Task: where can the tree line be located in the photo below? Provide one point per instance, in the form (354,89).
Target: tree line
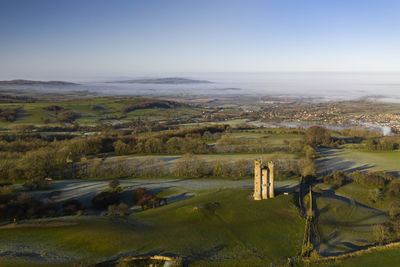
(26,156)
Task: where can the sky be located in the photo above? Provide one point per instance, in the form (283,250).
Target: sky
(57,39)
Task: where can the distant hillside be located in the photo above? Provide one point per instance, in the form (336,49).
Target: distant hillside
(163,81)
(29,82)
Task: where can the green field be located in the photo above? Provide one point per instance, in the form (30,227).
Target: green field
(361,193)
(209,157)
(277,139)
(214,228)
(351,160)
(388,257)
(344,225)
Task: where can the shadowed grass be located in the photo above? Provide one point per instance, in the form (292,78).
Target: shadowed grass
(215,226)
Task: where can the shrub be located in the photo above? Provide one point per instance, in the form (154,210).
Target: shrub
(316,136)
(67,115)
(394,210)
(72,206)
(375,195)
(122,208)
(25,206)
(104,199)
(113,184)
(337,178)
(7,193)
(381,233)
(371,179)
(394,188)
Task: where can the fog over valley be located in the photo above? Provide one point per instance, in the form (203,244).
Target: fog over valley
(322,85)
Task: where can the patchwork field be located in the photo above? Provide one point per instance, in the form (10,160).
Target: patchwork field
(91,111)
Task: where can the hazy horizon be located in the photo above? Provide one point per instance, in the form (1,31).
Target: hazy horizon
(324,85)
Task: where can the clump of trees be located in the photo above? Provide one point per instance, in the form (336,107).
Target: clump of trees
(67,115)
(22,206)
(72,207)
(62,114)
(103,199)
(189,166)
(337,178)
(375,195)
(26,155)
(194,166)
(318,136)
(53,108)
(389,230)
(8,114)
(377,179)
(110,199)
(145,199)
(394,188)
(114,185)
(118,209)
(382,144)
(151,103)
(359,132)
(306,162)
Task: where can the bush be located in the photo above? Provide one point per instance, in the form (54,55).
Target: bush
(7,193)
(394,188)
(383,233)
(119,209)
(37,184)
(371,179)
(72,206)
(317,136)
(122,208)
(104,199)
(337,178)
(307,166)
(375,195)
(394,210)
(113,184)
(25,206)
(67,115)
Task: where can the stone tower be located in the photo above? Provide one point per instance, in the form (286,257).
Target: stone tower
(271,179)
(263,180)
(257,180)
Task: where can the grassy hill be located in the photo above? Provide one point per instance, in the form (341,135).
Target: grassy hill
(214,228)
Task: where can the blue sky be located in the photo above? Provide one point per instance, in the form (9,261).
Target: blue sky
(57,39)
